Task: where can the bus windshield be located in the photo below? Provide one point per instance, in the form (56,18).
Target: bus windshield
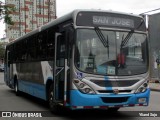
(111,52)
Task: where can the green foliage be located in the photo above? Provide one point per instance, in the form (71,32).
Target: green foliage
(5,11)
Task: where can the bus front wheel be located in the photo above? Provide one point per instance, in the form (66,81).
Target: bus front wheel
(52,105)
(113,109)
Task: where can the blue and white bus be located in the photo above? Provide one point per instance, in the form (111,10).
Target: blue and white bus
(88,59)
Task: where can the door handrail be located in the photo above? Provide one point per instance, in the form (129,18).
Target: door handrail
(59,71)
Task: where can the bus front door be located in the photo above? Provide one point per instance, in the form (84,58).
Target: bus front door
(60,68)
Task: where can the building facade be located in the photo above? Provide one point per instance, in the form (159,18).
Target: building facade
(29,15)
(154,39)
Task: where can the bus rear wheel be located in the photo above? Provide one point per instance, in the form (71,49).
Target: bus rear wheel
(16,88)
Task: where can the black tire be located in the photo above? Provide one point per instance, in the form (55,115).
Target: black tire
(55,108)
(16,88)
(113,109)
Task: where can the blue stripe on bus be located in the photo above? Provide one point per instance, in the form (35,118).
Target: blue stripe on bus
(33,89)
(106,79)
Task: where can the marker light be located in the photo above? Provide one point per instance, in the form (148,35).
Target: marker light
(142,100)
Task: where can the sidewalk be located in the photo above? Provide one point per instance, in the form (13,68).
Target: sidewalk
(2,78)
(154,86)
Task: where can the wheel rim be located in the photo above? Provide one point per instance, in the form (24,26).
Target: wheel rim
(51,104)
(16,89)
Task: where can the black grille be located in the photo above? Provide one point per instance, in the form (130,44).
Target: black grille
(111,91)
(120,83)
(114,99)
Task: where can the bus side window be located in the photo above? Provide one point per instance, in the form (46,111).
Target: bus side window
(41,46)
(9,55)
(50,43)
(33,47)
(44,44)
(9,59)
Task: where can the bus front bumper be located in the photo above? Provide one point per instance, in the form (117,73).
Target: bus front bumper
(79,100)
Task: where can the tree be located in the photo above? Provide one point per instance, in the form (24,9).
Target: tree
(5,11)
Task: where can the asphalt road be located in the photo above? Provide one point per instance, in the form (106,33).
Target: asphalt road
(26,103)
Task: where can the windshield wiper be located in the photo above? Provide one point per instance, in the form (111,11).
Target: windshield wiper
(126,39)
(128,36)
(104,41)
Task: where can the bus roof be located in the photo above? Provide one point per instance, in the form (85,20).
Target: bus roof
(69,16)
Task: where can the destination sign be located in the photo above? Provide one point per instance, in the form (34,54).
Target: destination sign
(113,21)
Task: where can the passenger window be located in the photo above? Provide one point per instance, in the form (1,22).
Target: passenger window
(50,43)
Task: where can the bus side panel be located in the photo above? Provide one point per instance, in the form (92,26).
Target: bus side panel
(33,89)
(32,77)
(47,70)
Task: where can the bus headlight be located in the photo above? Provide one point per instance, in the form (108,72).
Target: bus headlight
(142,88)
(83,87)
(87,90)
